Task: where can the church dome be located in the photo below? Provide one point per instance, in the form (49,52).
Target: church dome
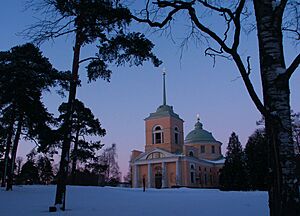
(199,135)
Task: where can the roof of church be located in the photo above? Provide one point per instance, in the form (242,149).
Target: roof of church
(163,111)
(199,135)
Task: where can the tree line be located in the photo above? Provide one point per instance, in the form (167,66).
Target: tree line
(106,24)
(102,23)
(247,168)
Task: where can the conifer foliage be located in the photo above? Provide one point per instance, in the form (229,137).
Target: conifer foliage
(24,74)
(233,174)
(44,165)
(104,22)
(84,124)
(256,152)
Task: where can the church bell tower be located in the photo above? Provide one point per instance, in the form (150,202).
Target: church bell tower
(164,128)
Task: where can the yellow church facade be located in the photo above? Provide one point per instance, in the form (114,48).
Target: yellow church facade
(172,160)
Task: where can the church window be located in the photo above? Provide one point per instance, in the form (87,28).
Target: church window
(191,154)
(155,155)
(176,134)
(205,178)
(211,180)
(202,149)
(158,135)
(192,177)
(213,149)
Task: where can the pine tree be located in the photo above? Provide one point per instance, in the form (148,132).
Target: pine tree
(24,74)
(29,172)
(45,170)
(90,21)
(84,124)
(256,152)
(233,174)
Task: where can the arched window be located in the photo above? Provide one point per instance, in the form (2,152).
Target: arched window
(176,135)
(191,153)
(155,155)
(157,135)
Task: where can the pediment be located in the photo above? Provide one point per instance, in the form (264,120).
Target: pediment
(146,155)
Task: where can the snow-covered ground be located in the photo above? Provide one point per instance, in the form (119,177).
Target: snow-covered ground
(90,201)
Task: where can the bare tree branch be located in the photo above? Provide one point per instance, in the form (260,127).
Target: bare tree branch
(291,69)
(233,16)
(87,59)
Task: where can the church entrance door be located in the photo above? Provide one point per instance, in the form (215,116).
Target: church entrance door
(158,180)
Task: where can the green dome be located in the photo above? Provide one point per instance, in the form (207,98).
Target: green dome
(163,111)
(198,135)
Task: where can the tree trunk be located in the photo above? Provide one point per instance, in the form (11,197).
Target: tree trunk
(74,160)
(64,161)
(7,150)
(13,155)
(283,191)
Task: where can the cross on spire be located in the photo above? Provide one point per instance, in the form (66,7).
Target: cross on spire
(198,118)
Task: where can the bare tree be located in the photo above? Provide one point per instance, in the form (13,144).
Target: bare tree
(109,159)
(275,107)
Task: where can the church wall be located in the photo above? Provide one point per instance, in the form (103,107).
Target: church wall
(135,154)
(205,175)
(171,174)
(177,123)
(184,173)
(165,123)
(143,173)
(208,150)
(168,124)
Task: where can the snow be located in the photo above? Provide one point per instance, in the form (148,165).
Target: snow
(89,201)
(220,161)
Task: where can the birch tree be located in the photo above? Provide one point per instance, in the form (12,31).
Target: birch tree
(273,19)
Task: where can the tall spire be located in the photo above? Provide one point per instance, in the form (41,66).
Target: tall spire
(164,87)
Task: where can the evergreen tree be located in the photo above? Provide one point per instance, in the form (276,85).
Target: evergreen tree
(29,172)
(45,170)
(233,174)
(84,124)
(256,152)
(24,74)
(101,21)
(273,21)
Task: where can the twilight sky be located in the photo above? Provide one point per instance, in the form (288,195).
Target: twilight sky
(193,85)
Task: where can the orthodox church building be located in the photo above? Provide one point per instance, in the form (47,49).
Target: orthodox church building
(169,159)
